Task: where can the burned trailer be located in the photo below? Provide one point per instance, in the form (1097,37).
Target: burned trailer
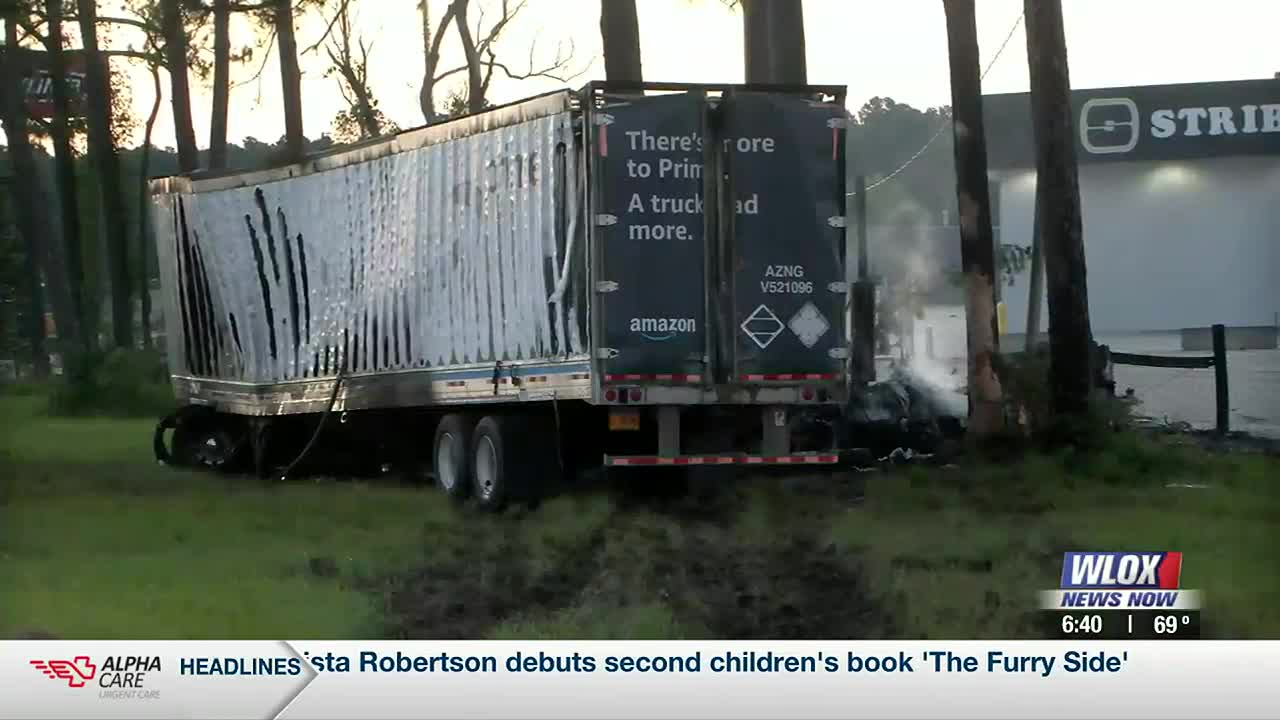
(622,275)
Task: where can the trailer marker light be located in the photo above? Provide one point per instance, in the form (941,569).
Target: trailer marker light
(611,395)
(636,395)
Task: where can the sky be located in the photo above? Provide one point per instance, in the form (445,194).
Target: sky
(895,48)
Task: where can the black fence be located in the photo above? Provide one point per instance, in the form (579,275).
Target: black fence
(1217,361)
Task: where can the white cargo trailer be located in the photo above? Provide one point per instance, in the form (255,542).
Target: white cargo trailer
(614,273)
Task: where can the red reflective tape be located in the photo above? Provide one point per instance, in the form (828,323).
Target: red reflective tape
(725,460)
(670,377)
(835,143)
(633,461)
(753,377)
(604,141)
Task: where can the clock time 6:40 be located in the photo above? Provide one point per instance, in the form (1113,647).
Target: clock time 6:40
(1082,624)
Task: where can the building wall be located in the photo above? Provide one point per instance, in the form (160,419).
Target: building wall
(1168,244)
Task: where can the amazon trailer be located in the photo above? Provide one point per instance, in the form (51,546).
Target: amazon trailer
(634,276)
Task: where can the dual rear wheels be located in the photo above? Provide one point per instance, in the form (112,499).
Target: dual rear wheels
(493,460)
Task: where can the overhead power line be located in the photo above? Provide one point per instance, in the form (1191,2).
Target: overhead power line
(945,125)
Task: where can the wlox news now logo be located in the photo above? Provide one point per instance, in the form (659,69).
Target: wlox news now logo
(117,677)
(1121,581)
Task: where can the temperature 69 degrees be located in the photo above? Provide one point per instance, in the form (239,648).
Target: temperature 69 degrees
(1129,625)
(1166,624)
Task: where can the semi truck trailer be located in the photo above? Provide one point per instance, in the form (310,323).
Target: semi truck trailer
(622,275)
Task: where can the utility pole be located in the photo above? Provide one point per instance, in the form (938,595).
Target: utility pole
(1036,289)
(977,244)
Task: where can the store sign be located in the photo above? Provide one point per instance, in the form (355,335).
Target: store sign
(1163,122)
(37,80)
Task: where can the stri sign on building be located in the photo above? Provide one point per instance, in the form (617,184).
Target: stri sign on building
(1180,190)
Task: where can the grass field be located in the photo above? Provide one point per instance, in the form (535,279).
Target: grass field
(97,541)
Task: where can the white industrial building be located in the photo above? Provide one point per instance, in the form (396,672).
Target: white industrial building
(1180,193)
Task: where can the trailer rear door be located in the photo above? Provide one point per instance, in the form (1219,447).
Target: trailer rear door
(651,243)
(784,253)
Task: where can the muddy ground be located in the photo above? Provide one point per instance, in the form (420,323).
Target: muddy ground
(687,547)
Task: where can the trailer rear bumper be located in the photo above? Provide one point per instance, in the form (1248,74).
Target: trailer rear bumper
(806,458)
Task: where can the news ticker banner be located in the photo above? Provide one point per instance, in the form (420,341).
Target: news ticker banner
(639,679)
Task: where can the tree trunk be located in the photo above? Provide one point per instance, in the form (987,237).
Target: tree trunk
(221,84)
(35,329)
(66,182)
(977,246)
(431,57)
(107,164)
(144,216)
(475,80)
(426,95)
(28,204)
(364,110)
(773,41)
(175,52)
(620,34)
(290,81)
(1070,335)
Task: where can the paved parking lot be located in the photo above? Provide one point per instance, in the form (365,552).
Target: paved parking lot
(1171,395)
(1188,395)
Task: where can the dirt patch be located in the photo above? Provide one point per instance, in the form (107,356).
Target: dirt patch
(674,544)
(790,590)
(464,596)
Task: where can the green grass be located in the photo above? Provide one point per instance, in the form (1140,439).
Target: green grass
(97,541)
(100,542)
(960,553)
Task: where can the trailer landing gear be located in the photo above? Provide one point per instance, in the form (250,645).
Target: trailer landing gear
(259,434)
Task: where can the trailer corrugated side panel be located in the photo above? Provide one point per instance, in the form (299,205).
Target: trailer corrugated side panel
(436,256)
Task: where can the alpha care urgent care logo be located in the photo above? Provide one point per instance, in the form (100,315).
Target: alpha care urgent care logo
(75,671)
(116,676)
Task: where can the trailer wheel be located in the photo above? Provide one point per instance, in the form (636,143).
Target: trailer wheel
(491,458)
(451,455)
(206,440)
(513,457)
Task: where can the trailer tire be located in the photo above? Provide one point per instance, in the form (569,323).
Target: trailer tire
(206,440)
(451,455)
(513,459)
(490,460)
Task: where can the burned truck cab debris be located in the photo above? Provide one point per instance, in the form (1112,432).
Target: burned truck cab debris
(633,276)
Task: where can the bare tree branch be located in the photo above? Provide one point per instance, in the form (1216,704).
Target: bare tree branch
(342,9)
(349,56)
(441,29)
(257,76)
(552,71)
(450,73)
